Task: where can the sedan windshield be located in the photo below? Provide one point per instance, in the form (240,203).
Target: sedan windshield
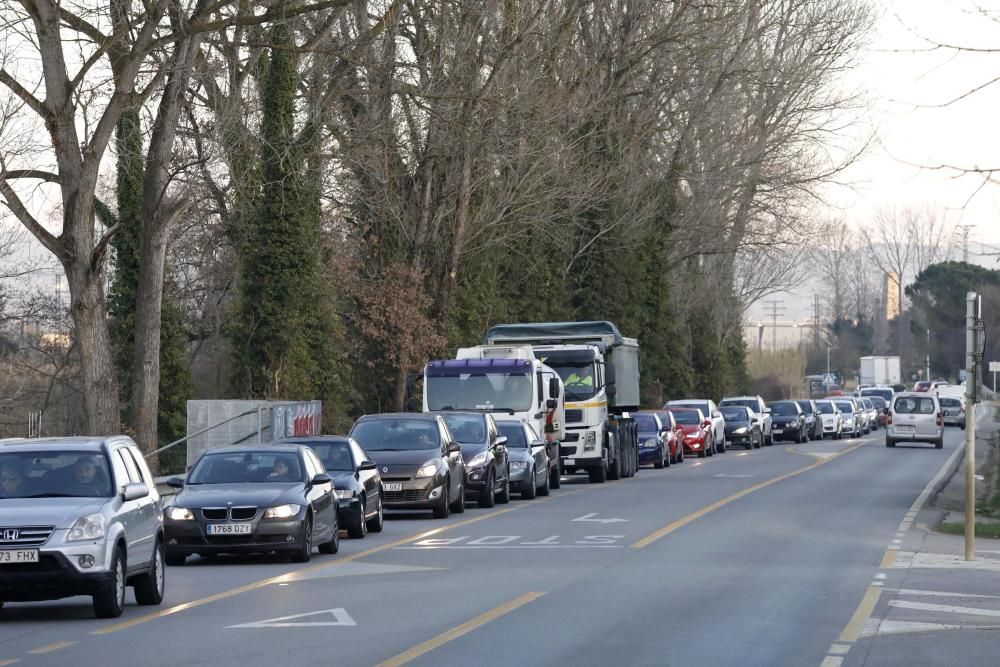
(825,408)
(467,428)
(950,403)
(735,414)
(746,402)
(514,433)
(334,455)
(43,473)
(386,435)
(846,406)
(806,406)
(646,423)
(784,410)
(687,417)
(246,467)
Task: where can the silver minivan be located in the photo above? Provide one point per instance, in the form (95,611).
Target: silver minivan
(79,516)
(915,417)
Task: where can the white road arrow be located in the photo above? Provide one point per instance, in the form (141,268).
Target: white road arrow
(338,616)
(590,518)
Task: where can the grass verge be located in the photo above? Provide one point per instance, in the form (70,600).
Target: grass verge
(982,529)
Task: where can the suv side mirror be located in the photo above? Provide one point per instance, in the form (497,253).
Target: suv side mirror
(134,491)
(320,479)
(368,465)
(767,411)
(502,440)
(537,443)
(553,388)
(175,483)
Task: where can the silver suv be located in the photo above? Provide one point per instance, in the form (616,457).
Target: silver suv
(79,516)
(915,417)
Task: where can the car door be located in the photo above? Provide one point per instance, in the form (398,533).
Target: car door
(453,460)
(500,451)
(369,479)
(130,512)
(150,516)
(320,497)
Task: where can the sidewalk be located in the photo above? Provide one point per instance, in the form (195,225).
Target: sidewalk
(933,606)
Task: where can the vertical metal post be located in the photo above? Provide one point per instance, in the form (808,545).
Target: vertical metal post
(928,354)
(260,423)
(970,425)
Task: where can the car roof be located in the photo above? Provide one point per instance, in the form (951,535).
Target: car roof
(463,413)
(307,440)
(914,394)
(421,416)
(273,448)
(86,443)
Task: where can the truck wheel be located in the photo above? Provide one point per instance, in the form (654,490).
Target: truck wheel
(615,469)
(599,475)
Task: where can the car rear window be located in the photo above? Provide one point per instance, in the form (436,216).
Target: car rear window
(402,434)
(514,432)
(685,416)
(950,402)
(646,423)
(908,405)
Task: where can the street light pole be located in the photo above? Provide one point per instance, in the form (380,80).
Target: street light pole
(928,354)
(971,379)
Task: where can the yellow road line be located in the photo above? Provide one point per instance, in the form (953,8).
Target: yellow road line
(51,647)
(459,630)
(4,663)
(861,614)
(888,560)
(291,576)
(680,523)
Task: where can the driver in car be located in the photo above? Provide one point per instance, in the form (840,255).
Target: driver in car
(85,472)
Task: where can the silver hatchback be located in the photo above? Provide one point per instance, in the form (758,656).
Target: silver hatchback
(79,516)
(915,417)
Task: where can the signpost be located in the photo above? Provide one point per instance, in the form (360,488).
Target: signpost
(995,368)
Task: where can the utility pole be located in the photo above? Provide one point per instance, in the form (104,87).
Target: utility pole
(964,231)
(774,305)
(972,314)
(816,321)
(928,354)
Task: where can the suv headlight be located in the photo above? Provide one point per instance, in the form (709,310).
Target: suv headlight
(282,511)
(344,494)
(740,431)
(518,465)
(180,514)
(428,469)
(90,527)
(477,461)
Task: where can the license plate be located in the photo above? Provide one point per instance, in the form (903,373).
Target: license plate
(229,529)
(777,431)
(18,556)
(904,429)
(569,462)
(393,486)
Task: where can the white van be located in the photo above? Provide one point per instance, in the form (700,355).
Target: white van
(915,417)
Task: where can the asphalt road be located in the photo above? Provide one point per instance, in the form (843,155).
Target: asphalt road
(747,558)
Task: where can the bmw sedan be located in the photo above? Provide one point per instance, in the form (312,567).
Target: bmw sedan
(277,498)
(356,480)
(419,459)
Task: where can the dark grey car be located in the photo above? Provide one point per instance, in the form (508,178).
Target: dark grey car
(419,460)
(253,500)
(529,461)
(487,464)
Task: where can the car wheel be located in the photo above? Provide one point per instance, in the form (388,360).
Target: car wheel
(528,491)
(458,507)
(659,463)
(962,425)
(555,478)
(333,546)
(376,522)
(889,442)
(702,453)
(720,447)
(304,552)
(487,498)
(710,449)
(680,454)
(544,489)
(939,443)
(360,527)
(504,496)
(150,585)
(110,603)
(769,440)
(443,511)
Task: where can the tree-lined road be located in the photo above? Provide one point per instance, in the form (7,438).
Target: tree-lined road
(757,558)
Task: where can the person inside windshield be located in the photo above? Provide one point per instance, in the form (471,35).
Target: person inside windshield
(581,378)
(12,479)
(85,472)
(337,458)
(279,473)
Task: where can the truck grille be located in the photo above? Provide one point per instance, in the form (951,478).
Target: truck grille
(567,450)
(571,437)
(24,536)
(574,416)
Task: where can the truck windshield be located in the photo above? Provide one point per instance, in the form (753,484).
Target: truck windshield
(495,392)
(579,378)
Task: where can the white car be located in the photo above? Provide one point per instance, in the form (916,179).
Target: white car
(831,418)
(952,410)
(711,412)
(851,422)
(915,417)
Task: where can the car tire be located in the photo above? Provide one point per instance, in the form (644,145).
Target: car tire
(528,491)
(443,510)
(110,603)
(504,496)
(458,506)
(360,527)
(555,477)
(599,475)
(376,522)
(544,490)
(720,447)
(939,443)
(769,440)
(962,426)
(333,546)
(680,454)
(150,585)
(889,442)
(658,463)
(488,498)
(304,552)
(175,560)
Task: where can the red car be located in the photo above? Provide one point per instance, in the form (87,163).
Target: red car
(676,436)
(697,431)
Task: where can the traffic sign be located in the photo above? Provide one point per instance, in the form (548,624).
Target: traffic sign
(995,366)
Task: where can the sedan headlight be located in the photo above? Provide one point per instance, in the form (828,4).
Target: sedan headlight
(179,514)
(90,527)
(428,469)
(344,494)
(477,461)
(649,444)
(518,465)
(282,511)
(740,431)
